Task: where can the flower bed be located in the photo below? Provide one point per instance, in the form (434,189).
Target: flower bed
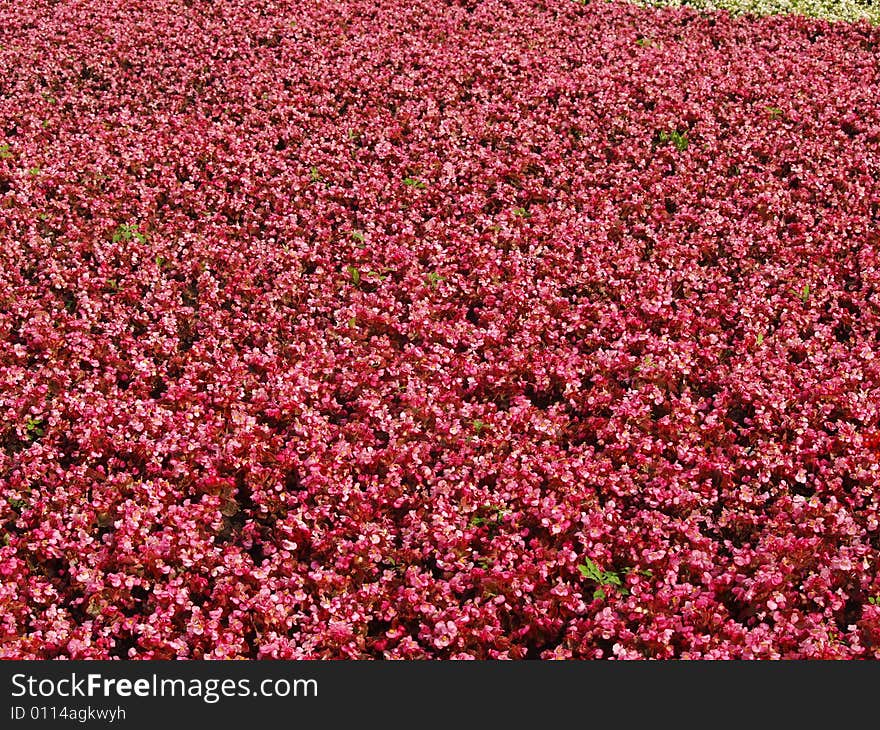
(437,329)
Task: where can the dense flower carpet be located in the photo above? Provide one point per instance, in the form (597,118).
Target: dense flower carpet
(439,329)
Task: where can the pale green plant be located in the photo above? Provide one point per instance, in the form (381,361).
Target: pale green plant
(840,10)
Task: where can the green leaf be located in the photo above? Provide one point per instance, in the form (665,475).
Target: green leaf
(590,570)
(126,232)
(605,578)
(315,175)
(599,593)
(414,182)
(678,139)
(34,428)
(358,236)
(17,504)
(521,213)
(5,153)
(354,274)
(434,279)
